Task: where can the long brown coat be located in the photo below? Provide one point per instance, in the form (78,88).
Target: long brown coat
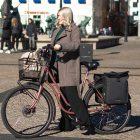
(69,67)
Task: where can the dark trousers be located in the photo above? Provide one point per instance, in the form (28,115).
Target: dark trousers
(25,43)
(15,38)
(77,106)
(6,40)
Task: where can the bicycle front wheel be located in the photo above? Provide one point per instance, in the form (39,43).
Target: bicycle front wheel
(110,120)
(23,120)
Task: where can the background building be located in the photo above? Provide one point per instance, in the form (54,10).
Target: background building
(103,13)
(134,13)
(133,9)
(39,10)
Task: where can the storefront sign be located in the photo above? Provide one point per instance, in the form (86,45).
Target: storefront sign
(34,12)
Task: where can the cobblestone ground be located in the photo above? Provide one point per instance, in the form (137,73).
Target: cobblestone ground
(120,58)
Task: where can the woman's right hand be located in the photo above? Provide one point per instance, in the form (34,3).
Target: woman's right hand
(57,47)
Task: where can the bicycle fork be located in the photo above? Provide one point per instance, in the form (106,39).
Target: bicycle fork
(35,97)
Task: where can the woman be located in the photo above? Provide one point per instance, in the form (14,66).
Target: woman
(32,34)
(16,33)
(66,41)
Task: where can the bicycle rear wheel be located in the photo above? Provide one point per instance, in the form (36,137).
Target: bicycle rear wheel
(110,120)
(20,118)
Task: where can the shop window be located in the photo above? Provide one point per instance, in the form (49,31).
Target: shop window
(34,16)
(67,1)
(135,4)
(135,13)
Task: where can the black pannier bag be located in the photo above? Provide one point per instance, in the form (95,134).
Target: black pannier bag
(115,87)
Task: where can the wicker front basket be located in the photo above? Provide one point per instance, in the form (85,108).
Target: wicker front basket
(29,69)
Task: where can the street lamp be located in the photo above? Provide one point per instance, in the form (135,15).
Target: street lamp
(126,22)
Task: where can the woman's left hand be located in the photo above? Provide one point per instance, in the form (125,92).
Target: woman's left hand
(57,47)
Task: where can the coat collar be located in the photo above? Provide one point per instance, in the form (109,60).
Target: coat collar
(63,34)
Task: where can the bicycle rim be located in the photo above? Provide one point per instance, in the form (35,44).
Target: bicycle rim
(18,117)
(107,121)
(111,120)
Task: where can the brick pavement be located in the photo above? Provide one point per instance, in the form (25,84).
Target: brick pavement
(123,57)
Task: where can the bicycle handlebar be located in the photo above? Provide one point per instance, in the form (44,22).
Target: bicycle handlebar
(48,46)
(44,51)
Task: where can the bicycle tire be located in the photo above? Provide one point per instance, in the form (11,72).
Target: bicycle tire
(91,91)
(46,98)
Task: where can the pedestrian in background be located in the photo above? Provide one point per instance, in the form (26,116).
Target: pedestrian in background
(32,34)
(6,34)
(16,33)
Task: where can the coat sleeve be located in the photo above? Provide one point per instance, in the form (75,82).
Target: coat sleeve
(74,42)
(6,25)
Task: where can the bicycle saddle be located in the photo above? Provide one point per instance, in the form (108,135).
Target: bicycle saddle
(91,65)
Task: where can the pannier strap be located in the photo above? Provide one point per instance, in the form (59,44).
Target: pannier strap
(116,74)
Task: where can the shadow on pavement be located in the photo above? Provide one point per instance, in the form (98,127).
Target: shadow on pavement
(11,137)
(104,54)
(134,123)
(113,52)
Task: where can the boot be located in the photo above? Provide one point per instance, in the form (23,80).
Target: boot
(66,125)
(90,130)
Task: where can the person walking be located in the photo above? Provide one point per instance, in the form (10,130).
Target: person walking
(32,34)
(16,33)
(66,42)
(6,34)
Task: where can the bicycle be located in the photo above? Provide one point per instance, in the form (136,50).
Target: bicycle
(32,107)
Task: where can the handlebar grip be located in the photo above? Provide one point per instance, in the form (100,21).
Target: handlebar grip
(48,46)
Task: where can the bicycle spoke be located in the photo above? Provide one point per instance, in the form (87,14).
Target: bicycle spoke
(18,120)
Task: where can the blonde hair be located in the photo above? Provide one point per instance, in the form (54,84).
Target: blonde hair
(14,21)
(67,13)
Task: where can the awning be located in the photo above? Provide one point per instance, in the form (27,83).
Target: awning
(22,1)
(37,1)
